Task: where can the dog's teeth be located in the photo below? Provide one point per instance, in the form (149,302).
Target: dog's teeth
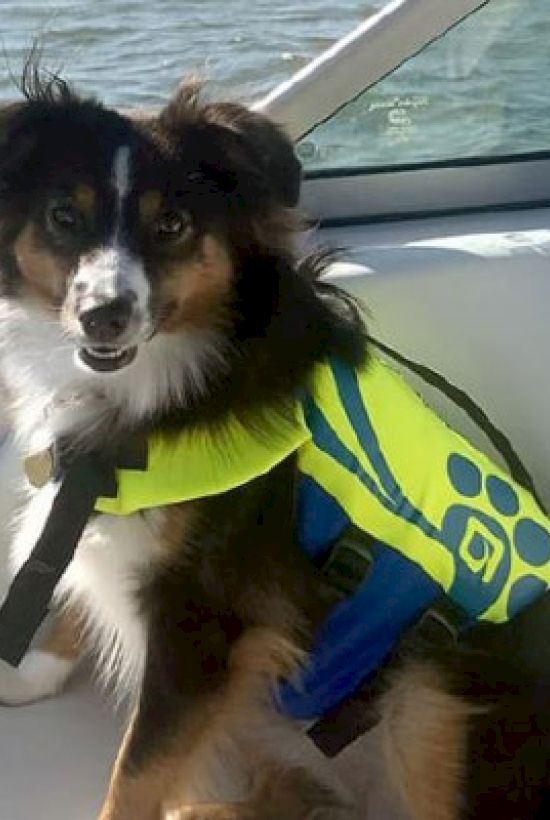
(106,354)
(106,360)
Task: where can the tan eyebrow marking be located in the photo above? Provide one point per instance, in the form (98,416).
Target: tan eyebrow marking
(85,198)
(149,204)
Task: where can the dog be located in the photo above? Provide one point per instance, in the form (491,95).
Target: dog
(149,285)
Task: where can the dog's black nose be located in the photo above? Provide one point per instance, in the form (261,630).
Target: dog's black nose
(108,321)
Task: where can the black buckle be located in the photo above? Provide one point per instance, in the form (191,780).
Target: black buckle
(350,561)
(444,622)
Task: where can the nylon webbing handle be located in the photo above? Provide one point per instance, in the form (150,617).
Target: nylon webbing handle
(30,593)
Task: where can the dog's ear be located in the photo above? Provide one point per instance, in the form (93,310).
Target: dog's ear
(15,142)
(267,145)
(21,122)
(253,141)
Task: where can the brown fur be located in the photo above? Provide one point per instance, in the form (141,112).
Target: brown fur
(177,520)
(149,205)
(425,730)
(44,273)
(292,794)
(64,640)
(194,292)
(230,602)
(134,797)
(222,748)
(85,197)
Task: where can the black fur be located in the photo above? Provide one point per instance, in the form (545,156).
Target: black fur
(239,177)
(238,174)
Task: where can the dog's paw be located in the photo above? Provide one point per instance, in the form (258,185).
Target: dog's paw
(232,812)
(39,675)
(212,811)
(217,812)
(250,811)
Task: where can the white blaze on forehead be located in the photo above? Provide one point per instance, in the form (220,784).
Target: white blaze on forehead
(120,179)
(114,270)
(120,174)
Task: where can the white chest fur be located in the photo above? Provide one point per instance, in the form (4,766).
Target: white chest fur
(102,581)
(50,396)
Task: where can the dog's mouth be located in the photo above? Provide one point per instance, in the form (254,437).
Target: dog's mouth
(105,359)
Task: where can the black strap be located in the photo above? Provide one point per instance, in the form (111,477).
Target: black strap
(82,480)
(347,722)
(30,593)
(498,439)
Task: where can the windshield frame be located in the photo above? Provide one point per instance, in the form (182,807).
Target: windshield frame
(356,62)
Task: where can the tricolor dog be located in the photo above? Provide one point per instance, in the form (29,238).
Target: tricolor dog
(150,292)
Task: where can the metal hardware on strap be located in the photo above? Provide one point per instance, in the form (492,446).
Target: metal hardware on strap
(345,724)
(349,561)
(357,714)
(346,568)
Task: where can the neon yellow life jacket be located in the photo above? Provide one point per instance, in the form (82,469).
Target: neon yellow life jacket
(398,472)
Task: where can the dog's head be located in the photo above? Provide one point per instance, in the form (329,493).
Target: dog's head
(131,231)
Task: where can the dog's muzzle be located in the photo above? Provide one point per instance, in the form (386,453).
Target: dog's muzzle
(110,294)
(106,330)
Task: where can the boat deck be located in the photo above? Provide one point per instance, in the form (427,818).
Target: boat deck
(56,755)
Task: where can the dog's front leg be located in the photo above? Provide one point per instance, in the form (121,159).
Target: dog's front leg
(43,671)
(424,730)
(167,753)
(283,793)
(201,743)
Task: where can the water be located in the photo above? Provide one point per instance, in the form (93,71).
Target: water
(133,52)
(481,90)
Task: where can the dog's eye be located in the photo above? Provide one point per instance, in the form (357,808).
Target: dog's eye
(172,225)
(65,217)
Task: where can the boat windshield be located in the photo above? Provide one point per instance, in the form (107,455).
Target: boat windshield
(482,90)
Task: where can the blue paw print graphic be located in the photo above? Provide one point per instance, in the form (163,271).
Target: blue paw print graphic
(482,543)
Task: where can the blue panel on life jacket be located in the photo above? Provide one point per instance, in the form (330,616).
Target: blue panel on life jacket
(321,520)
(362,630)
